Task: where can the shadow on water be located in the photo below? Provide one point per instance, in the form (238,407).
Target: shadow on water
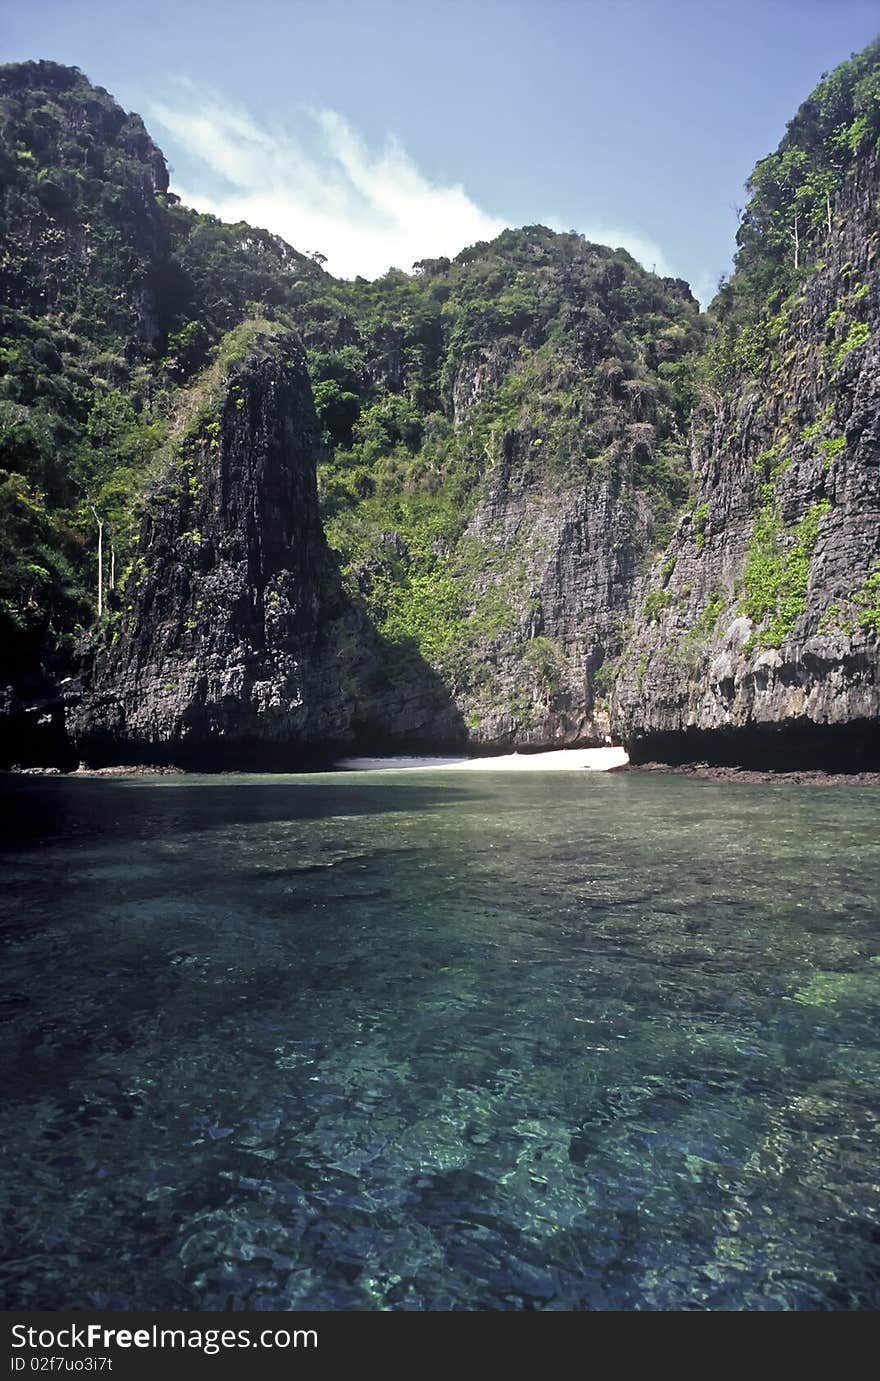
(36,810)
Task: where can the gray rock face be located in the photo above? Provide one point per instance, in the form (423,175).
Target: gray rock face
(236,643)
(752,636)
(221,641)
(556,564)
(55,246)
(755,628)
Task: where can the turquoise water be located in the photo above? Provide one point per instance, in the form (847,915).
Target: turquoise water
(410,1041)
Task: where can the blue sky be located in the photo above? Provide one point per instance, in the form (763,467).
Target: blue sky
(382,131)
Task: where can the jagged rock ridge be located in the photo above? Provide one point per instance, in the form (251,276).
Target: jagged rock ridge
(501,447)
(754,633)
(236,644)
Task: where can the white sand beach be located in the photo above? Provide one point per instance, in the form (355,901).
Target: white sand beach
(557,760)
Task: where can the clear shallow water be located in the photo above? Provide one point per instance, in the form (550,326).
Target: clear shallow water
(415,1041)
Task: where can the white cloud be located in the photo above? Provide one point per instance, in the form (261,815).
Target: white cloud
(366,210)
(325,189)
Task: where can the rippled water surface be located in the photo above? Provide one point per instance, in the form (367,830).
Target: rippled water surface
(439,1041)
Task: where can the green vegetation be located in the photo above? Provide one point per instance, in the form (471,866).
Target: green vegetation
(816,428)
(604,678)
(114,296)
(113,364)
(704,625)
(535,359)
(547,663)
(867,601)
(832,448)
(537,346)
(860,610)
(777,573)
(698,523)
(666,571)
(836,619)
(416,603)
(39,590)
(858,333)
(655,601)
(789,216)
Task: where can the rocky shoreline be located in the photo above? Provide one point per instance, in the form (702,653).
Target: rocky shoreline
(137,770)
(703,770)
(806,777)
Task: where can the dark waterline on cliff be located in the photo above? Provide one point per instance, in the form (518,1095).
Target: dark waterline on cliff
(440,1042)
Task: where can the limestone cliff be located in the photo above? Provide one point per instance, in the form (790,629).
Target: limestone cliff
(90,156)
(219,639)
(501,533)
(523,498)
(548,602)
(756,633)
(234,642)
